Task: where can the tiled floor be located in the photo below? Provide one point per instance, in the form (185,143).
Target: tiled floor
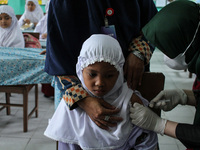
(12,136)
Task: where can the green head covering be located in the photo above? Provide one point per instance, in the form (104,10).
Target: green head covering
(172,29)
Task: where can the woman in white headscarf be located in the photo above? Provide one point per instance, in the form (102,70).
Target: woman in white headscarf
(74,129)
(41,27)
(33,13)
(10,33)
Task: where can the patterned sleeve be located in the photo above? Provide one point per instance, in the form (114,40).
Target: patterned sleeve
(143,47)
(71,89)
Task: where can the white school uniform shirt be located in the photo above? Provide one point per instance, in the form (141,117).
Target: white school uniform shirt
(75,126)
(11,36)
(41,27)
(33,16)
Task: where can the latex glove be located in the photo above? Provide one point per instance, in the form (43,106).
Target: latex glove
(145,118)
(173,97)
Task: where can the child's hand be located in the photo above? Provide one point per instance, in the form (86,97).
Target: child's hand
(43,52)
(27,21)
(35,24)
(44,36)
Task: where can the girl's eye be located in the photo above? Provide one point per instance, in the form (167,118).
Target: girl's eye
(92,74)
(109,75)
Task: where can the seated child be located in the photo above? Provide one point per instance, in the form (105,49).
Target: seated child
(41,27)
(10,33)
(100,70)
(33,13)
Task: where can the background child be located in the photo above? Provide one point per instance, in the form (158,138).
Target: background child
(100,70)
(33,13)
(10,32)
(41,27)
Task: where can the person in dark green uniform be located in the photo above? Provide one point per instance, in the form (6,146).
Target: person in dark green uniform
(175,30)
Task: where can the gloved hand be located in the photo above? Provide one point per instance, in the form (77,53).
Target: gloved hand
(173,97)
(145,118)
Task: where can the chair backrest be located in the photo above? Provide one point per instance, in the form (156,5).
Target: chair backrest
(18,16)
(35,34)
(152,84)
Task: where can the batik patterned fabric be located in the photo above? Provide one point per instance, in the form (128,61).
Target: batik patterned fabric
(22,66)
(142,46)
(71,90)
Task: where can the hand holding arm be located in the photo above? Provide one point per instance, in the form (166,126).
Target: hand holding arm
(133,70)
(145,118)
(140,55)
(98,109)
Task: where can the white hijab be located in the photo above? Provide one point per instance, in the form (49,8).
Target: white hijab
(41,27)
(11,36)
(104,48)
(75,126)
(33,16)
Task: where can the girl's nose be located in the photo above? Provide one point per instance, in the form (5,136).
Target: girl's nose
(3,20)
(99,82)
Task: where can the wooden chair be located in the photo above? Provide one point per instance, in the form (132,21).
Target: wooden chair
(18,16)
(20,89)
(152,84)
(35,34)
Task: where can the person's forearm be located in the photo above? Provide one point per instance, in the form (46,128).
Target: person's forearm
(189,135)
(140,47)
(190,97)
(170,128)
(71,90)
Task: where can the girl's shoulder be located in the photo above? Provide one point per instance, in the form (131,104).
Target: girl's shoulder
(137,98)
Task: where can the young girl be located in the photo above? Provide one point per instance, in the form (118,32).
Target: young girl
(10,33)
(33,13)
(41,27)
(100,70)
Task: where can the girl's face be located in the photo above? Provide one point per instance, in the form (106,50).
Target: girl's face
(31,6)
(5,20)
(100,78)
